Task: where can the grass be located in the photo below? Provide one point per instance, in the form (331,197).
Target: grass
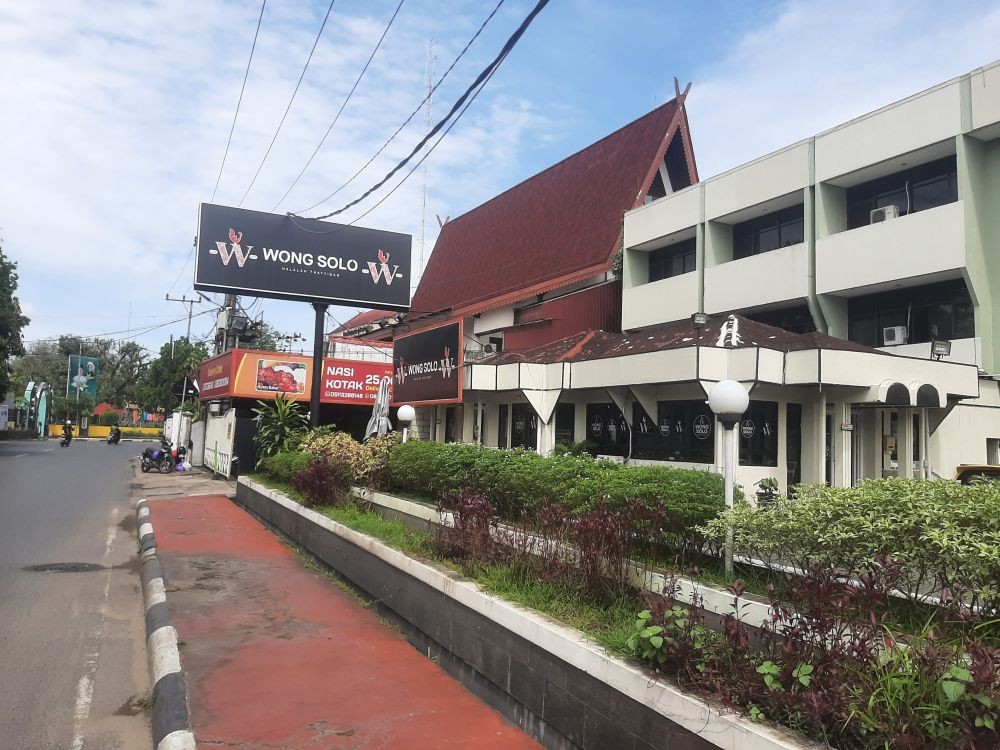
(607,621)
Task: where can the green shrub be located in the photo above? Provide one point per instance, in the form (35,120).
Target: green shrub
(283,467)
(323,481)
(946,534)
(518,483)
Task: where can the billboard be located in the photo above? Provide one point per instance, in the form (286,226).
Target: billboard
(82,376)
(427,366)
(292,258)
(263,375)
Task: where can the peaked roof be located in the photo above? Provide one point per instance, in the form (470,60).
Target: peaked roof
(363,318)
(560,226)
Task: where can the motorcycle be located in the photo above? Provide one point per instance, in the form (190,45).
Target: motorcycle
(115,436)
(162,460)
(67,438)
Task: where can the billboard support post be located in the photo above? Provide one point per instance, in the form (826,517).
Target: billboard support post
(319,335)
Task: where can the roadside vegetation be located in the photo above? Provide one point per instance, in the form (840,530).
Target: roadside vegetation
(884,636)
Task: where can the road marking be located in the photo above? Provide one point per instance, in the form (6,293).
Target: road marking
(20,454)
(85,687)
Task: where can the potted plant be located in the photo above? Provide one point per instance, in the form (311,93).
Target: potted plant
(767,491)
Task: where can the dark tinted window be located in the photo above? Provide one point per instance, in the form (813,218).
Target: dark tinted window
(769,232)
(523,427)
(942,311)
(607,427)
(565,421)
(915,189)
(758,433)
(671,261)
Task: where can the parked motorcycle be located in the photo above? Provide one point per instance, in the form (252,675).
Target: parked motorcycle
(160,459)
(115,436)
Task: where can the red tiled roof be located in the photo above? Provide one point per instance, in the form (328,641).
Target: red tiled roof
(565,220)
(364,318)
(589,345)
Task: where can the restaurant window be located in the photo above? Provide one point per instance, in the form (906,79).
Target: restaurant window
(523,427)
(686,431)
(674,260)
(758,433)
(502,426)
(607,428)
(565,423)
(769,232)
(646,441)
(910,190)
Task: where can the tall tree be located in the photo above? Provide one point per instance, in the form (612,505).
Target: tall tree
(160,384)
(12,321)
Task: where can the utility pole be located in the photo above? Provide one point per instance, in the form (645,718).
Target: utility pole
(189,304)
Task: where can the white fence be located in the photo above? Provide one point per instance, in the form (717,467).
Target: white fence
(219,431)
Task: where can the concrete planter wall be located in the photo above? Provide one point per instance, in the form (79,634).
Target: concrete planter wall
(549,679)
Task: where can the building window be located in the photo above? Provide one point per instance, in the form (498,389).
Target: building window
(672,261)
(758,432)
(921,313)
(794,319)
(607,428)
(502,426)
(523,427)
(911,190)
(682,431)
(565,423)
(769,232)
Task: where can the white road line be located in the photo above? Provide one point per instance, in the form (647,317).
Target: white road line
(85,687)
(20,454)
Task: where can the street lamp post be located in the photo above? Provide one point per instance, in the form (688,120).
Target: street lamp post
(405,417)
(728,399)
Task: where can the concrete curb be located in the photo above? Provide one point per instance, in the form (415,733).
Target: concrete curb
(171,721)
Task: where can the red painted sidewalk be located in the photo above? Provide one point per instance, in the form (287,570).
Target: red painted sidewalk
(277,656)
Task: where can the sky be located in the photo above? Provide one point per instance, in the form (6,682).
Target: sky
(114,117)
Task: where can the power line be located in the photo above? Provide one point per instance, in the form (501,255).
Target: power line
(238,103)
(303,75)
(135,333)
(184,267)
(340,111)
(480,79)
(412,114)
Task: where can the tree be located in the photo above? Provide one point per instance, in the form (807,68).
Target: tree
(177,359)
(278,423)
(265,336)
(12,321)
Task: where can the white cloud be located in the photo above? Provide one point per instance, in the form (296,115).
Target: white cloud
(815,65)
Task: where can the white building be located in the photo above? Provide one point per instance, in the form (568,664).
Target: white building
(820,275)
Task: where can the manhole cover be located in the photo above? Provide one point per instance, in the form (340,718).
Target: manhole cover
(65,567)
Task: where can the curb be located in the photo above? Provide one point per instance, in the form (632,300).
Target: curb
(171,721)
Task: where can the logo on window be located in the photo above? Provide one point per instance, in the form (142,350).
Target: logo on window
(701,427)
(665,427)
(596,425)
(747,428)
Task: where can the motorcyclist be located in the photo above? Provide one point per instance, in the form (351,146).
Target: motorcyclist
(68,431)
(116,434)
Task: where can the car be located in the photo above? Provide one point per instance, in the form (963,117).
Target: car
(969,473)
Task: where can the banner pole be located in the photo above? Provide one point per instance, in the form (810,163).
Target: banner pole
(319,341)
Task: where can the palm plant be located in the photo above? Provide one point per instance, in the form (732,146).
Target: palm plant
(278,424)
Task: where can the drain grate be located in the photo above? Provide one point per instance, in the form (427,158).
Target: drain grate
(64,567)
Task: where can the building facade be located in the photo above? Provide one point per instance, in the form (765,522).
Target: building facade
(851,281)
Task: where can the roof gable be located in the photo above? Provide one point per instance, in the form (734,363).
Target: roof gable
(563,221)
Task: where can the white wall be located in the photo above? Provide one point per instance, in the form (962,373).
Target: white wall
(926,242)
(776,276)
(663,217)
(771,176)
(661,301)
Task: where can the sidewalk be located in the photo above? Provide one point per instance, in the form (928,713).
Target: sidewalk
(277,656)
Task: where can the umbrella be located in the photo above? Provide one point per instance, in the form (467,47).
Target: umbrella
(379,423)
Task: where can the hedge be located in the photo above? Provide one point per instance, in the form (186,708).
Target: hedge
(284,467)
(947,535)
(518,483)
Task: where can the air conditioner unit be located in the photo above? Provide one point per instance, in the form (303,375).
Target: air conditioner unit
(893,335)
(489,349)
(884,214)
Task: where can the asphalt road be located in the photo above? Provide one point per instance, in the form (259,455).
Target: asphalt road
(72,641)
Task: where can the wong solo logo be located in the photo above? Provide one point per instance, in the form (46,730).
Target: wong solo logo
(243,254)
(445,366)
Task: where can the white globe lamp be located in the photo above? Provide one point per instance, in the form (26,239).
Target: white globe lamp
(728,399)
(405,416)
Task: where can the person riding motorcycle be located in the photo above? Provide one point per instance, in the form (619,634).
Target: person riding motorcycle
(67,432)
(116,435)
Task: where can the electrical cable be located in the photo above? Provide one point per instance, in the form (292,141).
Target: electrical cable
(179,273)
(135,331)
(412,114)
(296,91)
(342,106)
(480,79)
(238,103)
(379,350)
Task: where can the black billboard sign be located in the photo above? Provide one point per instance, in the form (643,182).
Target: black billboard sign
(427,366)
(285,257)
